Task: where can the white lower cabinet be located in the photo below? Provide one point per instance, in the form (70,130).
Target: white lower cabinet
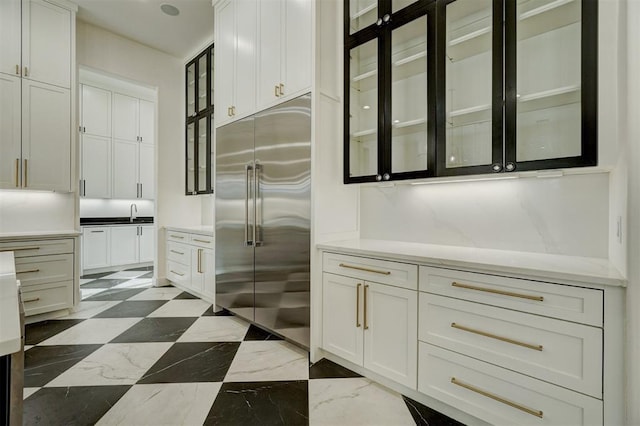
(191,263)
(95,247)
(146,243)
(124,245)
(117,245)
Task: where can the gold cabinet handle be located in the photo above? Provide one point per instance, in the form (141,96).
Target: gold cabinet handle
(26,71)
(494,291)
(533,412)
(177,273)
(176,252)
(233,110)
(276,90)
(229,111)
(358,305)
(200,261)
(25,170)
(359,268)
(17,69)
(366,326)
(28,271)
(20,249)
(495,336)
(31,300)
(177,236)
(17,171)
(281,89)
(201,241)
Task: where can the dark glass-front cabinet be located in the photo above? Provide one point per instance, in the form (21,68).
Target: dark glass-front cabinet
(199,120)
(458,87)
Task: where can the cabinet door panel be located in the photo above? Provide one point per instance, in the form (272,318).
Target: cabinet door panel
(46,43)
(147,122)
(125,117)
(46,137)
(391,334)
(147,242)
(96,111)
(225,60)
(208,267)
(341,325)
(10,137)
(246,20)
(296,73)
(146,171)
(124,245)
(10,35)
(125,166)
(270,51)
(95,247)
(197,277)
(96,166)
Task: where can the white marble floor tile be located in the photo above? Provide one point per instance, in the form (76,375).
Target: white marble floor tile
(93,330)
(268,360)
(216,329)
(27,347)
(113,364)
(87,309)
(181,308)
(88,292)
(125,274)
(135,283)
(157,293)
(84,281)
(163,404)
(355,401)
(27,392)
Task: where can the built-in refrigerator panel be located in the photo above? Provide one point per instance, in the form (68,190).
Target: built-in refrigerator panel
(283,191)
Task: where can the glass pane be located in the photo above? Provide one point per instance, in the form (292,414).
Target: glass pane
(396,5)
(191,90)
(363,104)
(202,153)
(548,79)
(212,153)
(363,13)
(469,82)
(409,97)
(202,83)
(190,158)
(211,74)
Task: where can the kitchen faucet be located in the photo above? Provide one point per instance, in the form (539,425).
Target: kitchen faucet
(132,215)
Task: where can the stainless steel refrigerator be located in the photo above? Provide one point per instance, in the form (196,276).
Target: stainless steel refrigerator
(263,187)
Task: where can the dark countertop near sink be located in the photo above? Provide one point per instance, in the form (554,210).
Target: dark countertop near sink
(95,221)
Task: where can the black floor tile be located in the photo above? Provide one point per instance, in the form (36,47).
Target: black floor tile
(256,333)
(147,275)
(425,416)
(115,294)
(261,403)
(41,331)
(141,268)
(193,362)
(155,330)
(325,369)
(44,363)
(222,313)
(104,283)
(97,275)
(82,405)
(132,309)
(185,295)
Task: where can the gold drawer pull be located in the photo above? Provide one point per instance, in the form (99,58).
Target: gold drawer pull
(493,336)
(177,236)
(28,271)
(358,305)
(31,300)
(494,291)
(177,273)
(495,397)
(359,268)
(201,241)
(176,252)
(366,326)
(20,249)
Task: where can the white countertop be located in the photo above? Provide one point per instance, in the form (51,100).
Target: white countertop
(38,234)
(10,332)
(196,229)
(549,266)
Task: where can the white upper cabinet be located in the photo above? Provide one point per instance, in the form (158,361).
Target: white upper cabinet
(10,140)
(146,121)
(146,171)
(125,117)
(10,35)
(225,61)
(125,165)
(95,111)
(95,167)
(284,53)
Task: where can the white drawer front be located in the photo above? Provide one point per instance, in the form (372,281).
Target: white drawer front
(37,247)
(178,273)
(203,241)
(180,253)
(180,237)
(52,298)
(393,273)
(500,396)
(576,304)
(44,269)
(559,352)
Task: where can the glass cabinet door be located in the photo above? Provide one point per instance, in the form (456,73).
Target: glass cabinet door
(362,13)
(191,90)
(203,86)
(203,145)
(211,75)
(191,159)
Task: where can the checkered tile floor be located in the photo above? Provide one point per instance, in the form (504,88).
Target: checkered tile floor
(135,355)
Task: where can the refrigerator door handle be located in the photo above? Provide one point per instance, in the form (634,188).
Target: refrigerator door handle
(247,169)
(257,217)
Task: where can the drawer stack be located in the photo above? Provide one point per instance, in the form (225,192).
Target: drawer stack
(511,351)
(45,269)
(191,263)
(178,257)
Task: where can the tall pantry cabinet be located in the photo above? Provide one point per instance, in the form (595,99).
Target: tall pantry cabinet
(37,40)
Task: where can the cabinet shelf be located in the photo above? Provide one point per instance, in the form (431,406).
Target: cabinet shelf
(409,59)
(549,98)
(469,115)
(364,76)
(544,8)
(363,133)
(364,11)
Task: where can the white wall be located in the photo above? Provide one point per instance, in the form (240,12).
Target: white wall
(30,211)
(114,208)
(108,52)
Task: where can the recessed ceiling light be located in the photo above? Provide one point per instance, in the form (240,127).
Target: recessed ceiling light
(169,9)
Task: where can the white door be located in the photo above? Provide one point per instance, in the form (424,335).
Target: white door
(224,60)
(197,276)
(124,245)
(146,176)
(391,332)
(95,247)
(125,117)
(246,22)
(297,47)
(147,243)
(46,43)
(10,35)
(342,317)
(269,52)
(96,166)
(46,137)
(125,169)
(147,114)
(10,133)
(96,111)
(208,267)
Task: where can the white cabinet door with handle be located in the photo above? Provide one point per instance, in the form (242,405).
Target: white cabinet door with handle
(96,167)
(95,247)
(95,111)
(10,36)
(10,138)
(147,240)
(124,245)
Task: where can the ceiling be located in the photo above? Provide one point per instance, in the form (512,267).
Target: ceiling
(144,22)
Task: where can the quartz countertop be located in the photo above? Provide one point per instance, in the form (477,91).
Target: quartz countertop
(10,332)
(195,229)
(548,266)
(126,220)
(5,236)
